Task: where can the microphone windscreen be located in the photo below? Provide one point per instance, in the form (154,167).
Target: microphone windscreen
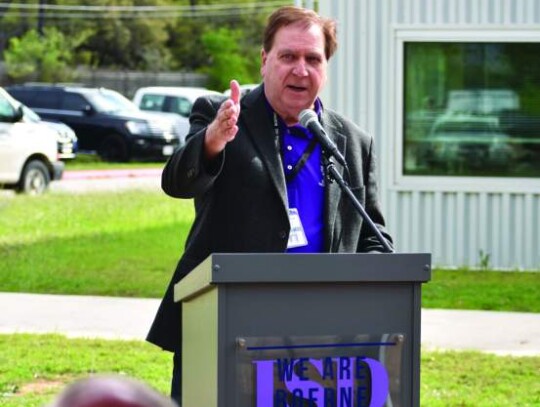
(306,116)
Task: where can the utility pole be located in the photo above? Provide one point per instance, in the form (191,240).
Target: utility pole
(41,17)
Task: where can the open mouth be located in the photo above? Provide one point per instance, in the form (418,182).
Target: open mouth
(297,88)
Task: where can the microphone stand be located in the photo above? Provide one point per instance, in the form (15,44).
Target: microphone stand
(333,175)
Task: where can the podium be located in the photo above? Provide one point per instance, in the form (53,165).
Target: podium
(309,330)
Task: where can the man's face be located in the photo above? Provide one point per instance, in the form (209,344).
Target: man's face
(294,70)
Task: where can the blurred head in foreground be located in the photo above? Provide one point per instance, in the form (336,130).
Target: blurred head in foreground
(110,391)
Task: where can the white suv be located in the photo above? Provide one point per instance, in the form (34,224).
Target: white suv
(171,99)
(28,151)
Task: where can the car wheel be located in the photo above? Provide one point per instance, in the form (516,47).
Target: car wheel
(113,148)
(35,178)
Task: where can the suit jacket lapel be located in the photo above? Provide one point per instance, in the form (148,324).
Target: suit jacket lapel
(259,126)
(332,190)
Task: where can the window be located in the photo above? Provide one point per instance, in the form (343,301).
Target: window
(152,102)
(73,101)
(471,109)
(6,110)
(40,99)
(179,105)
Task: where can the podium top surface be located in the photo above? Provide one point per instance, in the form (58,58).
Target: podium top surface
(240,268)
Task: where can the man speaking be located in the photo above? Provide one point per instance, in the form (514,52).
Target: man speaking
(256,173)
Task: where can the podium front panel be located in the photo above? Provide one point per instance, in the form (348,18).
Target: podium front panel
(350,312)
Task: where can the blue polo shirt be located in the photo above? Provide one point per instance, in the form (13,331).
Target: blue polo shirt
(305,191)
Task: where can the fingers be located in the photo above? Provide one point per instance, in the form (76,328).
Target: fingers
(235,92)
(226,119)
(224,127)
(228,113)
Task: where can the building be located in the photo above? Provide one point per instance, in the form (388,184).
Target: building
(451,91)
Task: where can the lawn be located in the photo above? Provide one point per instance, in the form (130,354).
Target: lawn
(119,244)
(128,243)
(46,363)
(85,161)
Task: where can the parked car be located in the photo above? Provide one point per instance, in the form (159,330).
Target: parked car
(28,151)
(469,140)
(124,104)
(482,101)
(65,136)
(178,100)
(99,123)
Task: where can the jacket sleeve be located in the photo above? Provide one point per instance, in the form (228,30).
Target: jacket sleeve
(187,172)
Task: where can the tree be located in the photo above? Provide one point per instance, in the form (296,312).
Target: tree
(186,34)
(227,59)
(46,58)
(126,39)
(143,34)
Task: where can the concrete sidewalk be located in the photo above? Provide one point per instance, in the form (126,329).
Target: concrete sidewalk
(112,173)
(82,181)
(504,333)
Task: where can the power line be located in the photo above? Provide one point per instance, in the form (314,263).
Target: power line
(140,12)
(143,16)
(199,7)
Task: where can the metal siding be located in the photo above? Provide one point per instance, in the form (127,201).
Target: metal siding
(461,223)
(453,226)
(472,220)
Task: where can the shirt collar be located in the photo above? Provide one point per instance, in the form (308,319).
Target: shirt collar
(317,107)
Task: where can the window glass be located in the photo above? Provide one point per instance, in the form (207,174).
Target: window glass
(43,100)
(72,101)
(152,102)
(179,105)
(472,109)
(7,112)
(122,103)
(104,101)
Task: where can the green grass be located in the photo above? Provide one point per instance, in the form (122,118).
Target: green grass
(473,379)
(33,368)
(128,243)
(46,363)
(483,290)
(119,244)
(93,162)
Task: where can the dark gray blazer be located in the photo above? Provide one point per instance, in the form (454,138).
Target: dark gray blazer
(240,198)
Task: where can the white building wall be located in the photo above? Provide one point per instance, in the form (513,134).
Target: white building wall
(455,221)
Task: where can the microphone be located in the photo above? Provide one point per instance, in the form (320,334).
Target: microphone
(308,118)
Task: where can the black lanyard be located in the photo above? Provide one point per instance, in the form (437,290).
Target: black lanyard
(303,159)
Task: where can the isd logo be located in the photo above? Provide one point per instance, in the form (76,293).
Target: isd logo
(342,381)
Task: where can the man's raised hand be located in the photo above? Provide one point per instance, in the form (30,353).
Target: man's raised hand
(223,129)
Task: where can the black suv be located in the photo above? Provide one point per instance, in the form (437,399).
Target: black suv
(102,124)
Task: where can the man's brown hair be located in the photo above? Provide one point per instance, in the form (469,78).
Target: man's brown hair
(288,15)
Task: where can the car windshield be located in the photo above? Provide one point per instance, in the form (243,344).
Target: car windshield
(111,101)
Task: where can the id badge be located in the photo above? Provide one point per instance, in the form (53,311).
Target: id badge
(297,237)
